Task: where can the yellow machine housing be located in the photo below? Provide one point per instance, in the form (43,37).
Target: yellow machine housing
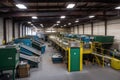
(115,63)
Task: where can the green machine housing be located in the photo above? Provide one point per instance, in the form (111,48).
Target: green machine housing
(9,58)
(75,57)
(104,39)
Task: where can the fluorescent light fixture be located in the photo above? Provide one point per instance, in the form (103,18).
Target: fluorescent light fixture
(34,17)
(49,31)
(69,6)
(35,27)
(21,6)
(62,17)
(92,16)
(29,22)
(58,21)
(57,24)
(69,23)
(64,25)
(53,25)
(41,25)
(53,31)
(117,7)
(32,24)
(77,21)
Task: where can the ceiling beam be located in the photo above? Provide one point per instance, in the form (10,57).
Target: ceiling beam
(57,9)
(61,7)
(50,13)
(47,7)
(54,1)
(26,14)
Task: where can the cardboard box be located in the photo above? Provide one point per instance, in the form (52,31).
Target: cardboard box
(23,70)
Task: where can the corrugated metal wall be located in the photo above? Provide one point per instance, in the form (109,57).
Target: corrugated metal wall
(75,30)
(99,28)
(9,27)
(80,29)
(20,30)
(8,23)
(114,28)
(16,30)
(1,30)
(72,29)
(24,31)
(87,29)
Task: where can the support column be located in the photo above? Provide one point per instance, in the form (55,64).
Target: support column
(4,31)
(105,27)
(18,30)
(91,28)
(13,30)
(22,30)
(83,28)
(77,29)
(105,21)
(25,31)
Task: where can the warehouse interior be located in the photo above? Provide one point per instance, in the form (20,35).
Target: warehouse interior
(59,39)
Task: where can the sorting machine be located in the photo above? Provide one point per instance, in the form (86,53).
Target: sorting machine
(39,46)
(72,53)
(26,41)
(31,41)
(34,58)
(97,48)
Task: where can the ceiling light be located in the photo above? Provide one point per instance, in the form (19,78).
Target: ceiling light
(58,21)
(76,21)
(69,6)
(57,24)
(29,22)
(34,17)
(53,25)
(35,27)
(69,23)
(62,17)
(32,24)
(21,6)
(41,25)
(64,25)
(91,16)
(117,7)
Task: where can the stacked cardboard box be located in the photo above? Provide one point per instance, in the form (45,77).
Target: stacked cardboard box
(23,70)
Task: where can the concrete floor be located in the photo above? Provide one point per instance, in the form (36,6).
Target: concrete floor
(49,71)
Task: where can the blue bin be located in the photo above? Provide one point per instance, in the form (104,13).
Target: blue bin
(57,59)
(36,38)
(43,49)
(85,39)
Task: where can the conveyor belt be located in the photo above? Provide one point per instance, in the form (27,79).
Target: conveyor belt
(107,57)
(35,51)
(37,43)
(30,58)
